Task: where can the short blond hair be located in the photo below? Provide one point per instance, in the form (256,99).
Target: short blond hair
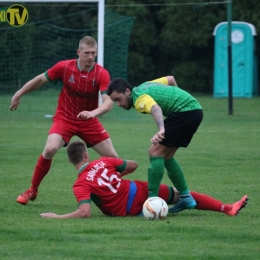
(89,41)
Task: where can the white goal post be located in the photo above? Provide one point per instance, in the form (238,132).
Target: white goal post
(101,20)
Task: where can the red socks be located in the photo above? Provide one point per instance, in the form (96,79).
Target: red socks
(41,169)
(205,202)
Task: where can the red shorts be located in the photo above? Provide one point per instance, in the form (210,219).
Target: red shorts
(165,192)
(90,131)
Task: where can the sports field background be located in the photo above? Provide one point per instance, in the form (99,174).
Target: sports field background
(222,161)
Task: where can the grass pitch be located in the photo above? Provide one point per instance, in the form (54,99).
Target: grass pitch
(222,161)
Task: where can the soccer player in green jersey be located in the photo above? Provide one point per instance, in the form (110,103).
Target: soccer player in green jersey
(183,115)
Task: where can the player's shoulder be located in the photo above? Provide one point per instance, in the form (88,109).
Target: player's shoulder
(162,80)
(100,161)
(100,68)
(141,88)
(66,63)
(107,161)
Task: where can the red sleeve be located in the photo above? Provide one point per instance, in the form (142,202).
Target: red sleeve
(82,192)
(103,79)
(113,161)
(55,73)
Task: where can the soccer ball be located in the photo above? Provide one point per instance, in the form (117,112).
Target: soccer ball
(155,208)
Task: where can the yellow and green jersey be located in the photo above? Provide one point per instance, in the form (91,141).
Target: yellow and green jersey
(169,98)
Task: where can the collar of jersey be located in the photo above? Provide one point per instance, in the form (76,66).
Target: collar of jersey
(91,68)
(82,167)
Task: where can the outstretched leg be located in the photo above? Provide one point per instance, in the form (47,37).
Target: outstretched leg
(205,202)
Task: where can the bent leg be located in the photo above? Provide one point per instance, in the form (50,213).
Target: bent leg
(53,144)
(155,175)
(174,170)
(95,135)
(105,148)
(176,176)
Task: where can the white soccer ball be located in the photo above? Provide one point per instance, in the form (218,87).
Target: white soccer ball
(155,208)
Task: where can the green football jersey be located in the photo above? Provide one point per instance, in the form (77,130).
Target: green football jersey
(169,98)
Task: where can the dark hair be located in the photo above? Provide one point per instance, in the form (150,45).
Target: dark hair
(119,85)
(75,151)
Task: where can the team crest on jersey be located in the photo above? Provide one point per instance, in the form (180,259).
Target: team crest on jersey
(71,79)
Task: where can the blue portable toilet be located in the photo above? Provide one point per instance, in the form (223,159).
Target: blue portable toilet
(244,60)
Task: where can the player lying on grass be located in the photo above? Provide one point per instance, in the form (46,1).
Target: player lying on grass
(101,181)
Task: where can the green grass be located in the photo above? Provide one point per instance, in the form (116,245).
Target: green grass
(222,160)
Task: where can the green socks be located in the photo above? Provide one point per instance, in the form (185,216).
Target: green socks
(155,175)
(176,176)
(174,171)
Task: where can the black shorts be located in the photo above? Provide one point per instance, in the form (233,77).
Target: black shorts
(180,127)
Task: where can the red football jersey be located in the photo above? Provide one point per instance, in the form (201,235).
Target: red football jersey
(80,89)
(100,181)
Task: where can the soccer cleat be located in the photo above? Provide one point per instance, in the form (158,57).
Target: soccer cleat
(237,206)
(186,202)
(29,194)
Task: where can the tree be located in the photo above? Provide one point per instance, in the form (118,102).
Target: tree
(176,38)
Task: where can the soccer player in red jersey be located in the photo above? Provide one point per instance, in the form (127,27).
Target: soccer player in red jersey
(101,181)
(82,80)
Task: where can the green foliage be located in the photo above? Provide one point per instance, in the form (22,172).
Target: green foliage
(176,38)
(222,161)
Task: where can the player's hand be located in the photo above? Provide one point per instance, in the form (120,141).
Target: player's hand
(86,115)
(49,215)
(158,137)
(14,103)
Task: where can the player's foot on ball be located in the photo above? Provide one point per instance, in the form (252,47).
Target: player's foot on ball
(237,206)
(29,194)
(185,202)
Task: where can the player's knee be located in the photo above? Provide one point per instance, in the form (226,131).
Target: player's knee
(50,151)
(153,152)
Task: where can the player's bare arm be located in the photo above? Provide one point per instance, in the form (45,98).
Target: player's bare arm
(106,106)
(157,114)
(83,211)
(171,81)
(30,86)
(131,166)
